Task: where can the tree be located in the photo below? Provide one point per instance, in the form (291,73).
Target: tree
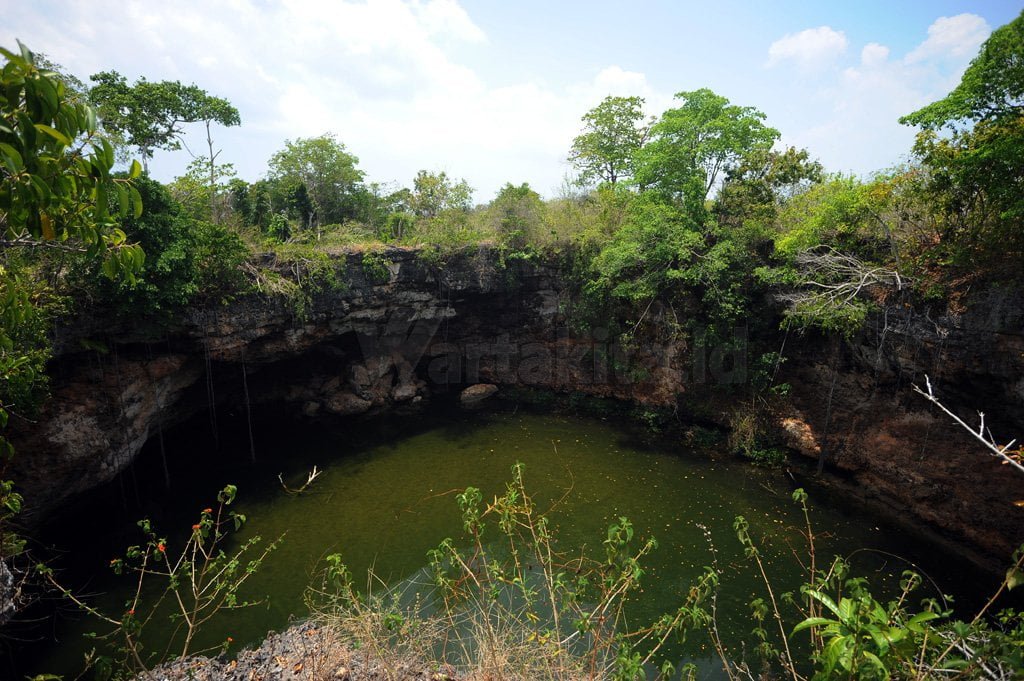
(661,254)
(202,190)
(320,170)
(757,187)
(149,115)
(613,132)
(55,171)
(977,171)
(693,146)
(517,214)
(991,89)
(56,192)
(433,193)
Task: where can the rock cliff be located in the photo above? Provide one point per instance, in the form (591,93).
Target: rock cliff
(422,327)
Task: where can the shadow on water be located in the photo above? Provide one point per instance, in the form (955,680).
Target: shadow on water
(386,496)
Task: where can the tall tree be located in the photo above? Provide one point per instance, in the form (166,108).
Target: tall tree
(693,146)
(977,169)
(613,131)
(755,188)
(321,170)
(433,193)
(149,115)
(517,214)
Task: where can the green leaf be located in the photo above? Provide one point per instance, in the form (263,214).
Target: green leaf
(101,202)
(136,201)
(41,188)
(108,152)
(915,622)
(48,91)
(812,622)
(11,158)
(1014,578)
(827,602)
(135,170)
(875,661)
(55,134)
(122,199)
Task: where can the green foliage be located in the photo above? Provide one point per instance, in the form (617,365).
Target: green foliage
(149,115)
(219,255)
(189,261)
(656,244)
(56,192)
(56,186)
(316,179)
(252,203)
(190,584)
(841,212)
(763,182)
(24,343)
(377,267)
(204,191)
(508,602)
(517,215)
(976,173)
(991,89)
(693,146)
(861,635)
(661,254)
(436,193)
(613,132)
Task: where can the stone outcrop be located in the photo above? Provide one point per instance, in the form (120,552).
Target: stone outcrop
(433,328)
(855,402)
(478,393)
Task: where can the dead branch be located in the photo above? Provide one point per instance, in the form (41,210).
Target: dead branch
(982,434)
(835,279)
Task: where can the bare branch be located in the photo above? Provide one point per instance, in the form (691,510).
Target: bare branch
(1004,452)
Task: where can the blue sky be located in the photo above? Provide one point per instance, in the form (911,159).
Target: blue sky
(493,90)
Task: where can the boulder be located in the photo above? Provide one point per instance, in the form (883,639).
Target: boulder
(477,393)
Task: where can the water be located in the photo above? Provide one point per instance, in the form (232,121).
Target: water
(387,495)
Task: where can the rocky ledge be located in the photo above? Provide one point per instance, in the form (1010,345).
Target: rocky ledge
(422,327)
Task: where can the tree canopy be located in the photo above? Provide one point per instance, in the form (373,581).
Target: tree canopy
(148,115)
(693,146)
(991,89)
(979,168)
(56,185)
(433,193)
(613,132)
(322,171)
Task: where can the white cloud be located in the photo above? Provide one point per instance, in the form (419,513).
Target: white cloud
(957,37)
(810,49)
(403,83)
(874,55)
(862,130)
(446,17)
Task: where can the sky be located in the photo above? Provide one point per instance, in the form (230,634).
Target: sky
(493,90)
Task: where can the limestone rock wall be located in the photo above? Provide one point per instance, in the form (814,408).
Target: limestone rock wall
(430,328)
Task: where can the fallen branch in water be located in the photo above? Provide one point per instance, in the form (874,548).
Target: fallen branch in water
(313,475)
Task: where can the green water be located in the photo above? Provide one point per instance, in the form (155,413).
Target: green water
(386,496)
